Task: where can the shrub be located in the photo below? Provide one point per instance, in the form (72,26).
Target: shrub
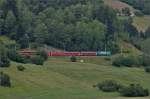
(109,86)
(15,56)
(139,13)
(134,90)
(127,61)
(4,80)
(145,60)
(117,62)
(114,48)
(147,69)
(124,61)
(42,53)
(107,58)
(20,68)
(34,45)
(37,60)
(4,62)
(73,59)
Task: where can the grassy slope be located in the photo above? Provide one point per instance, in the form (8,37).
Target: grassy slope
(66,80)
(141,23)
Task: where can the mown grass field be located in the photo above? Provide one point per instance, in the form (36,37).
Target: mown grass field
(142,23)
(61,79)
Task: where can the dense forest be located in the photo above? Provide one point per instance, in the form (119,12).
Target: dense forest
(70,25)
(143,5)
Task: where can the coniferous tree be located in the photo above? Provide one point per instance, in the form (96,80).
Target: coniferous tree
(10,23)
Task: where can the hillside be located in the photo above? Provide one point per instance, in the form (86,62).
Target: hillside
(142,5)
(67,80)
(141,23)
(116,4)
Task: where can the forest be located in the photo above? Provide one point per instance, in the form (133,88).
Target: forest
(76,25)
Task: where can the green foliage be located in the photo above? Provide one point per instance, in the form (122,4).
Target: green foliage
(73,25)
(41,32)
(73,59)
(123,61)
(147,33)
(15,56)
(34,45)
(126,11)
(4,80)
(130,28)
(10,21)
(42,53)
(128,61)
(139,14)
(147,69)
(109,86)
(24,41)
(4,60)
(37,60)
(113,47)
(20,68)
(134,90)
(145,60)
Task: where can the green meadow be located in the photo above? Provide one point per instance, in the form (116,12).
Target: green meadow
(60,79)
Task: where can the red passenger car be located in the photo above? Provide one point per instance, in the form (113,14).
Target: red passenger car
(88,54)
(27,53)
(64,54)
(72,54)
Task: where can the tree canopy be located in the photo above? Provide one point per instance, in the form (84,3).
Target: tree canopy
(67,24)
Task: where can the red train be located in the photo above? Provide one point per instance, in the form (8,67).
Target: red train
(27,53)
(89,53)
(72,54)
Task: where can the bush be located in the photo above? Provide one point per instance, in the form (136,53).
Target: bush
(15,56)
(4,62)
(114,48)
(127,61)
(107,58)
(4,80)
(20,68)
(139,13)
(123,61)
(117,62)
(109,86)
(73,59)
(134,90)
(34,45)
(37,60)
(145,60)
(42,53)
(147,69)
